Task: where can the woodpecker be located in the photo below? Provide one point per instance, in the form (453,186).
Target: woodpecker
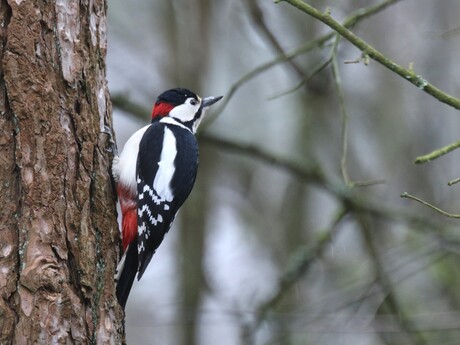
(154,175)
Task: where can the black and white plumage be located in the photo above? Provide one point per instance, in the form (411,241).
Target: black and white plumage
(163,188)
(165,157)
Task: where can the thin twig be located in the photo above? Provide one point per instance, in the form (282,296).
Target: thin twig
(345,120)
(437,153)
(452,182)
(343,111)
(435,208)
(305,80)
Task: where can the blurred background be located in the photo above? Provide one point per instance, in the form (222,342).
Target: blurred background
(295,233)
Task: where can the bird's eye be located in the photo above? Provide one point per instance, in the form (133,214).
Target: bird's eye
(193,102)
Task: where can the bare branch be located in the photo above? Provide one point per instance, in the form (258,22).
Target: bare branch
(374,54)
(349,22)
(313,174)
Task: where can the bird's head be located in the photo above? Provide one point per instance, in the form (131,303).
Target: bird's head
(183,105)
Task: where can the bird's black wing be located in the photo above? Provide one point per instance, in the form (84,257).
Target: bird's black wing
(166,171)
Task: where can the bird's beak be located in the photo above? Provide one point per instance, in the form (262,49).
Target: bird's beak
(208,101)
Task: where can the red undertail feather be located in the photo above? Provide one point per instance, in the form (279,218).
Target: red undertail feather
(128,207)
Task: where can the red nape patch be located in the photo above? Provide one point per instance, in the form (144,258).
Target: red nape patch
(161,109)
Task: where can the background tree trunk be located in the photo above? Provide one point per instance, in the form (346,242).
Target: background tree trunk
(59,236)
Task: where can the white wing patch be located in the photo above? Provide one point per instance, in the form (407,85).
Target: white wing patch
(166,167)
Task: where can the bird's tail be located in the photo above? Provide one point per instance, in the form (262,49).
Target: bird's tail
(126,272)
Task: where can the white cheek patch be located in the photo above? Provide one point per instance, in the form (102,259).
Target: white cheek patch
(166,167)
(184,112)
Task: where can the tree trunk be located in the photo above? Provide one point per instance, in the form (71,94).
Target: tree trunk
(59,235)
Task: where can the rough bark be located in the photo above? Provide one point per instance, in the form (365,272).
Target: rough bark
(59,236)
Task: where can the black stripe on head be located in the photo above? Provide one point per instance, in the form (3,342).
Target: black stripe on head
(176,96)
